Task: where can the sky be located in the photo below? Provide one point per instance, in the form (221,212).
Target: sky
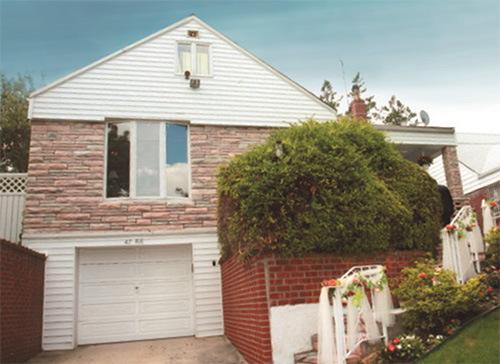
(441,56)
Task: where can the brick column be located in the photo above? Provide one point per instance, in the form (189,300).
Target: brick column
(452,171)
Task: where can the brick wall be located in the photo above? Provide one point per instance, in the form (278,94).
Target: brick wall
(248,291)
(452,172)
(22,275)
(475,200)
(66,180)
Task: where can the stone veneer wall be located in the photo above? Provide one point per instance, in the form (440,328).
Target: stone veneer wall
(250,290)
(65,191)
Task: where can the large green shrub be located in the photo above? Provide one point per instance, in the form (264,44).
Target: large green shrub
(432,298)
(339,187)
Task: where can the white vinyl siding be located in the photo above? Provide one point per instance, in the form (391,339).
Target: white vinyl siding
(61,279)
(143,83)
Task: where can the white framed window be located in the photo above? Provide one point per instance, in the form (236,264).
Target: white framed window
(147,160)
(195,58)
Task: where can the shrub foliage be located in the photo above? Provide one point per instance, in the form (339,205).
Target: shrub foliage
(433,299)
(338,187)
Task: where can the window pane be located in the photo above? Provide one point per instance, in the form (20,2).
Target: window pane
(118,153)
(148,159)
(177,161)
(202,60)
(184,58)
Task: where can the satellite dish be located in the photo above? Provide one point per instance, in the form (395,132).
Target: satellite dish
(424,117)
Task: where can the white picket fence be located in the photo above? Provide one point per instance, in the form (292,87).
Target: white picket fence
(12,204)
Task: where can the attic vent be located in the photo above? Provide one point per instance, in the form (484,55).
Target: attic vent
(193,33)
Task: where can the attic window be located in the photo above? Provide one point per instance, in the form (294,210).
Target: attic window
(193,33)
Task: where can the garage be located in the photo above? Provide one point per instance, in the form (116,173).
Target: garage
(134,293)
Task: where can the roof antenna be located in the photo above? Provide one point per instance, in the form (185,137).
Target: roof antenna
(345,85)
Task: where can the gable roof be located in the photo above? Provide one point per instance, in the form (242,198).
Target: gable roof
(325,111)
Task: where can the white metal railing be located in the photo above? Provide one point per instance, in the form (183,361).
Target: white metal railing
(462,245)
(12,204)
(488,219)
(334,344)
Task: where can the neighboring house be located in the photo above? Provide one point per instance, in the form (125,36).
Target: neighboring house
(121,194)
(479,160)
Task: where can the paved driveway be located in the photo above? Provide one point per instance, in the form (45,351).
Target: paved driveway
(189,350)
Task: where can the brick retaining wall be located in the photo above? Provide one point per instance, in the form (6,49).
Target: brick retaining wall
(249,291)
(21,290)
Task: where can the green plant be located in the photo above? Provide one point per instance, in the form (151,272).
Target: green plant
(493,251)
(404,349)
(434,340)
(337,186)
(432,298)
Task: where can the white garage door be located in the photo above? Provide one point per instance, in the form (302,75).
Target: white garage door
(134,293)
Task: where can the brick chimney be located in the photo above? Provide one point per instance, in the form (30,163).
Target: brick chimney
(357,107)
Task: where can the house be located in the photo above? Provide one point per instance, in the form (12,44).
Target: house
(121,193)
(479,163)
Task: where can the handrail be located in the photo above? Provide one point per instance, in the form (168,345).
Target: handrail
(373,276)
(462,245)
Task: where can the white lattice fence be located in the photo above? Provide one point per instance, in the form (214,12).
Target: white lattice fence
(12,202)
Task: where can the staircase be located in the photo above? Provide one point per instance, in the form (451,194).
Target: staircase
(311,357)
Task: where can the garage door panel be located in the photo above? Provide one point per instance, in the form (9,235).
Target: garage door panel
(181,325)
(157,254)
(107,310)
(163,269)
(107,328)
(166,288)
(168,308)
(148,295)
(108,255)
(107,272)
(102,291)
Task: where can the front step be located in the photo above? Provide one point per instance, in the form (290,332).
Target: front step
(311,357)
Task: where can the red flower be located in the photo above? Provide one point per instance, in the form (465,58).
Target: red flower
(332,282)
(396,341)
(391,347)
(450,227)
(493,204)
(490,289)
(422,275)
(482,293)
(450,332)
(452,320)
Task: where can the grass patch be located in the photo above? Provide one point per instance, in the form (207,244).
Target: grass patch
(478,342)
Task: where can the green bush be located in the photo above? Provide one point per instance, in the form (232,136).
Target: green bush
(339,187)
(493,251)
(433,299)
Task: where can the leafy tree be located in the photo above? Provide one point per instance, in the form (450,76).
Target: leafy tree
(329,96)
(396,113)
(15,128)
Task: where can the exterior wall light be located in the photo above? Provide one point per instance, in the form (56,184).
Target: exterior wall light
(279,149)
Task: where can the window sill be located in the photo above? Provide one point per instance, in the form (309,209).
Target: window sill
(194,76)
(168,201)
